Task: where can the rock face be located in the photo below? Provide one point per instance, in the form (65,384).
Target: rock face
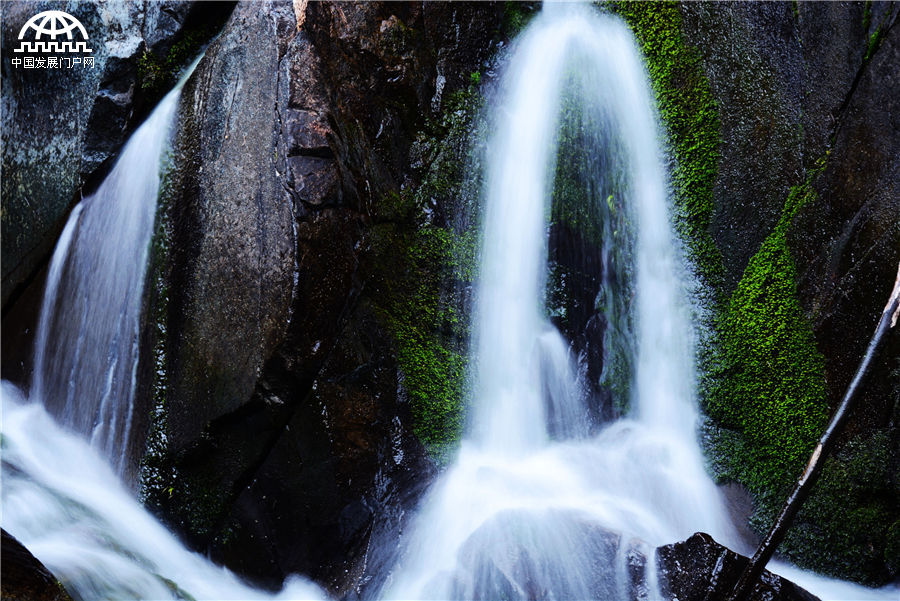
(284,430)
(62,126)
(805,218)
(23,577)
(700,569)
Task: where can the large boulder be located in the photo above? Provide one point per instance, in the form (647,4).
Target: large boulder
(526,554)
(283,440)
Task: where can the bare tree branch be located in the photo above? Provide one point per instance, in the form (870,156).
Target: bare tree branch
(804,485)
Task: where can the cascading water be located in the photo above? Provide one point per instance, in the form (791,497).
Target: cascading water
(526,512)
(86,350)
(533,506)
(63,498)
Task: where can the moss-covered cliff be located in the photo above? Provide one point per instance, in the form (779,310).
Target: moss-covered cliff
(737,88)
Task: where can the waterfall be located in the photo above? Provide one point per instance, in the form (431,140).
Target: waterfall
(526,512)
(88,335)
(535,506)
(63,492)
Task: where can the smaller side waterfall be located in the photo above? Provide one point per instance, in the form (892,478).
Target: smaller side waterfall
(63,494)
(88,336)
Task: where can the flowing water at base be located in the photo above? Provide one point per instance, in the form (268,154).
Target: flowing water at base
(63,492)
(71,510)
(533,508)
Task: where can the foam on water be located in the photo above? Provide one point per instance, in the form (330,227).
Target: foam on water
(532,507)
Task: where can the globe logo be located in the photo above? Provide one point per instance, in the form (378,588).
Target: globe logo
(47,27)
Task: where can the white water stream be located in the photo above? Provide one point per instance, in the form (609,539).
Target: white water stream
(523,512)
(63,492)
(514,491)
(88,336)
(529,513)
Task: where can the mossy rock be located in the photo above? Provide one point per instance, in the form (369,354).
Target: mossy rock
(769,366)
(423,264)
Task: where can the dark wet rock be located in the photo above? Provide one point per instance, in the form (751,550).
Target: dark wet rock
(780,78)
(163,20)
(752,58)
(285,442)
(62,127)
(848,241)
(23,577)
(225,269)
(45,113)
(700,569)
(233,246)
(846,244)
(400,62)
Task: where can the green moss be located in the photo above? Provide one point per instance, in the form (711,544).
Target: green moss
(873,43)
(850,514)
(874,40)
(867,15)
(769,403)
(516,16)
(158,74)
(765,387)
(421,265)
(769,391)
(151,72)
(849,527)
(417,266)
(690,115)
